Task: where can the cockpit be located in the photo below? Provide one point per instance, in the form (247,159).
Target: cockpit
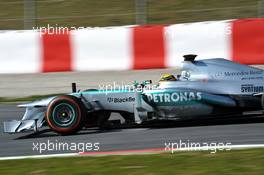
(185,75)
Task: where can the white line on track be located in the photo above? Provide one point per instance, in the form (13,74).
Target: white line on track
(40,156)
(129,152)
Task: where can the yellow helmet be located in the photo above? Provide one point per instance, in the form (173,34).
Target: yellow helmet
(168,77)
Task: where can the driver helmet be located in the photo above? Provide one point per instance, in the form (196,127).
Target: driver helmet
(168,77)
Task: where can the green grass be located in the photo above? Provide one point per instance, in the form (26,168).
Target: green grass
(230,162)
(122,12)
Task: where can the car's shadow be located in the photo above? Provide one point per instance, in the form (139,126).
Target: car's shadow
(153,125)
(208,122)
(49,133)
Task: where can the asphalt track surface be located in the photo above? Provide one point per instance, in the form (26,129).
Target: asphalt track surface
(236,131)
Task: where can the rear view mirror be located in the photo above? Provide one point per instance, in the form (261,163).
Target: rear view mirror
(185,74)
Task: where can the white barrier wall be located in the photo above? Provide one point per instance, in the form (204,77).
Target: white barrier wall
(102,49)
(20,52)
(207,40)
(135,47)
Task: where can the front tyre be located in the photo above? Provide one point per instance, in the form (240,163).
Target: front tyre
(65,114)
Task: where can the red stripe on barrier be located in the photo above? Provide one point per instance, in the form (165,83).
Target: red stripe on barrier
(56,52)
(148,47)
(248,41)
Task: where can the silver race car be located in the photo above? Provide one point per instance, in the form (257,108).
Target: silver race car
(205,88)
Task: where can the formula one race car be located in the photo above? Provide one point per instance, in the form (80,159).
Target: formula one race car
(211,87)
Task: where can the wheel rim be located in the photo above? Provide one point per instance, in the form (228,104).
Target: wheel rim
(63,115)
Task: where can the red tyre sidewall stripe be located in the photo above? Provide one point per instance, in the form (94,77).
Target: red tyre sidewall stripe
(53,126)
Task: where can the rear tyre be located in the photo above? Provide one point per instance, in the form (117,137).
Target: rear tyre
(65,115)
